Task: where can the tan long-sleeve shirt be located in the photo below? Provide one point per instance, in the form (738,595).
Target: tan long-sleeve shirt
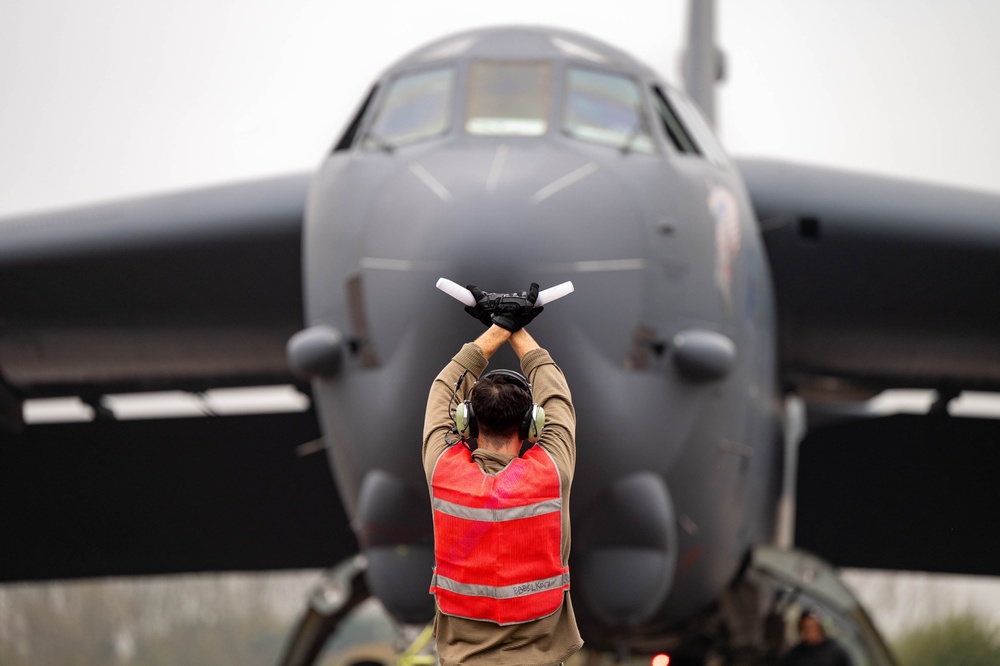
(550,640)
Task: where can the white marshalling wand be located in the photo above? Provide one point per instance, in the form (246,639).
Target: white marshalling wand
(460,293)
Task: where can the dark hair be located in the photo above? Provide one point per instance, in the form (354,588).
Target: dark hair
(499,404)
(813,613)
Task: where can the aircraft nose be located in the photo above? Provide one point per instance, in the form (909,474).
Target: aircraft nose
(502,216)
(499,215)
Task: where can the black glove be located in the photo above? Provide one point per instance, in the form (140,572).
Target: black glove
(514,311)
(483,309)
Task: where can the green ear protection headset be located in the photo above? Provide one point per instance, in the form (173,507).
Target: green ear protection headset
(531,424)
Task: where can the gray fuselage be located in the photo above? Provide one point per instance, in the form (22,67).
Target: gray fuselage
(667,343)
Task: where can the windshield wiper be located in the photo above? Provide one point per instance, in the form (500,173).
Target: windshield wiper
(638,128)
(380,143)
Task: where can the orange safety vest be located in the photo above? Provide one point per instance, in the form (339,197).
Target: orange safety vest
(498,538)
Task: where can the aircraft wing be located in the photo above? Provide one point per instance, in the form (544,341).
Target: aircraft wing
(880,283)
(883,283)
(187,291)
(200,288)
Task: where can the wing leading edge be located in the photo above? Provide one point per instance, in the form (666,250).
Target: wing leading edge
(881,283)
(184,291)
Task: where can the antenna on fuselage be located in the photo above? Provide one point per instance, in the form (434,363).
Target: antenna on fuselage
(703,61)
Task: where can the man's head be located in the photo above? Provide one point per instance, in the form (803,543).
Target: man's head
(500,400)
(811,628)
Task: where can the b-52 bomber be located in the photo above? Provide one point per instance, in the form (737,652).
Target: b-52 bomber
(707,291)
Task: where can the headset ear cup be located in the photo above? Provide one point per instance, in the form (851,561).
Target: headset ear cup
(465,421)
(534,421)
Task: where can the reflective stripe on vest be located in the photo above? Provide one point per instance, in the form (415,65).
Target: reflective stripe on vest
(497,515)
(498,538)
(508,592)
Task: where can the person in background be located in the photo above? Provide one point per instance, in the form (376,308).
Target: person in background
(815,648)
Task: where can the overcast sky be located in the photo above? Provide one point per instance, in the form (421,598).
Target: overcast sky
(110,98)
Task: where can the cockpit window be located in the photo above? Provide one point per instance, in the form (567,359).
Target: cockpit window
(605,108)
(673,126)
(416,106)
(508,98)
(704,135)
(347,140)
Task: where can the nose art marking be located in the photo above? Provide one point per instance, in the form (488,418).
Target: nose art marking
(498,161)
(562,183)
(432,183)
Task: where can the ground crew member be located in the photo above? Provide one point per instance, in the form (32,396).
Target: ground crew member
(501,506)
(815,648)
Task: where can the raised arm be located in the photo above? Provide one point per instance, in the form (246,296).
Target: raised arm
(445,395)
(522,342)
(551,391)
(493,339)
(508,315)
